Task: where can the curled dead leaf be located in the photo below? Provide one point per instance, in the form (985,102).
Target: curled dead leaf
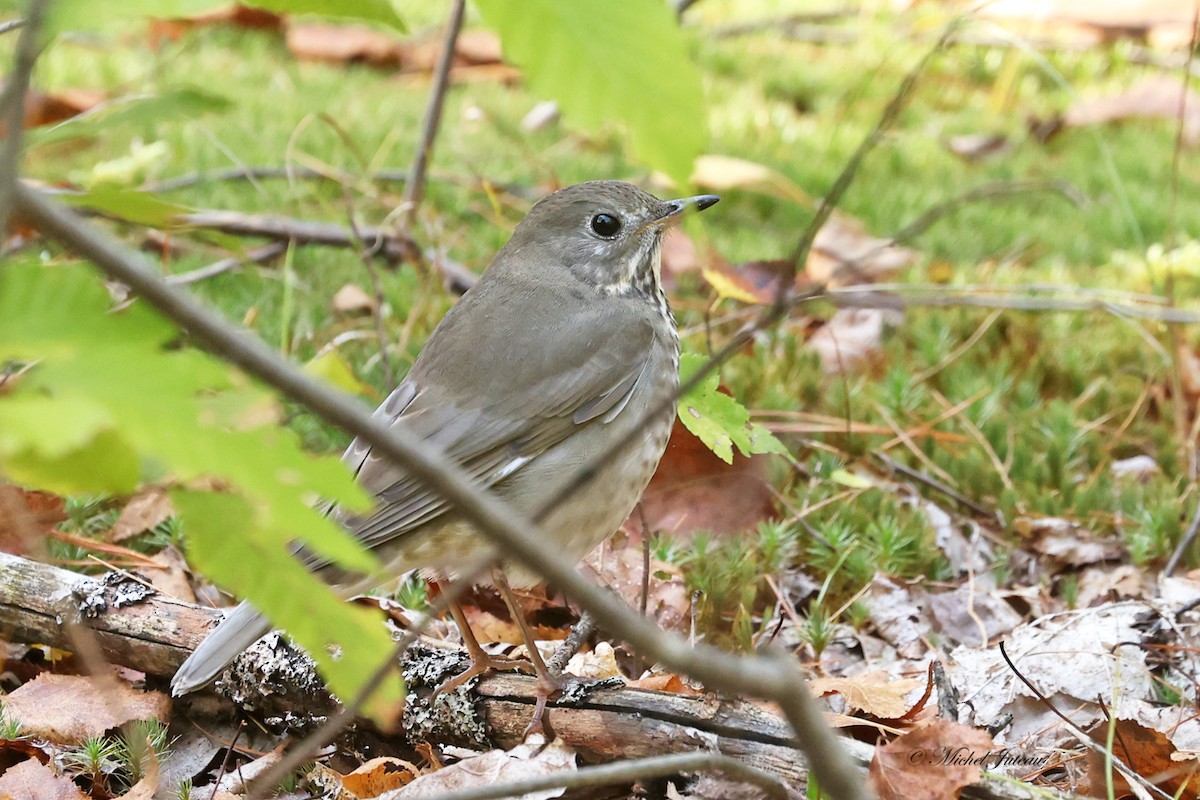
(875,692)
(932,762)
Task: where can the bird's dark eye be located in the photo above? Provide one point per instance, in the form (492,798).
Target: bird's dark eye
(606,225)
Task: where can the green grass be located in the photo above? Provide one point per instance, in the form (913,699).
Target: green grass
(1058,396)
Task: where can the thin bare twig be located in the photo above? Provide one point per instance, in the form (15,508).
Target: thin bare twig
(990,191)
(625,772)
(414,189)
(10,25)
(393,246)
(259,255)
(190,179)
(12,106)
(934,483)
(1184,544)
(570,646)
(1020,298)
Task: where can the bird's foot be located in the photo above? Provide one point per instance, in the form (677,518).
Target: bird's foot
(482,663)
(567,690)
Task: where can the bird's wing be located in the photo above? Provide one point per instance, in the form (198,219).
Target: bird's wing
(493,429)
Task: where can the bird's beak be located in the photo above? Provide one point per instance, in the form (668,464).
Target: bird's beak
(676,209)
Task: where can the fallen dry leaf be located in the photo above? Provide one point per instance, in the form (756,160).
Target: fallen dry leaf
(851,337)
(343,44)
(527,760)
(234,15)
(351,299)
(68,709)
(1067,543)
(1150,98)
(844,253)
(171,575)
(972,614)
(33,780)
(379,775)
(145,510)
(722,173)
(618,564)
(48,109)
(694,490)
(26,516)
(598,663)
(1122,582)
(1148,753)
(665,682)
(1165,23)
(932,762)
(876,692)
(974,147)
(896,616)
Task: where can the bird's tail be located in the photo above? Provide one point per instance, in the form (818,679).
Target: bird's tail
(241,628)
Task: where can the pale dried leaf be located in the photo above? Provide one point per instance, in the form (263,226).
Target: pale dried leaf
(851,337)
(1139,468)
(541,115)
(598,663)
(974,147)
(876,692)
(68,709)
(351,299)
(33,780)
(171,578)
(845,253)
(897,618)
(972,613)
(618,564)
(722,173)
(343,44)
(1150,98)
(1090,641)
(526,760)
(145,510)
(1122,582)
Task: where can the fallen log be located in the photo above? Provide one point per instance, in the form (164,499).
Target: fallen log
(137,627)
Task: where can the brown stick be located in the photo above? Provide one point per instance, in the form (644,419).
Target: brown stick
(386,243)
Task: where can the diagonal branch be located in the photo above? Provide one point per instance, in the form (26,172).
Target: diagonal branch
(774,677)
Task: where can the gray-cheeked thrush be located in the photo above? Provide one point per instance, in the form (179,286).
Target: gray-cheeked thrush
(564,345)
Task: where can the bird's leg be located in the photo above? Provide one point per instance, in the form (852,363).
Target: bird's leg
(481,660)
(548,683)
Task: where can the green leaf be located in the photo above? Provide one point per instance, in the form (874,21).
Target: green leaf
(310,612)
(603,60)
(139,208)
(104,464)
(717,419)
(329,366)
(73,15)
(107,398)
